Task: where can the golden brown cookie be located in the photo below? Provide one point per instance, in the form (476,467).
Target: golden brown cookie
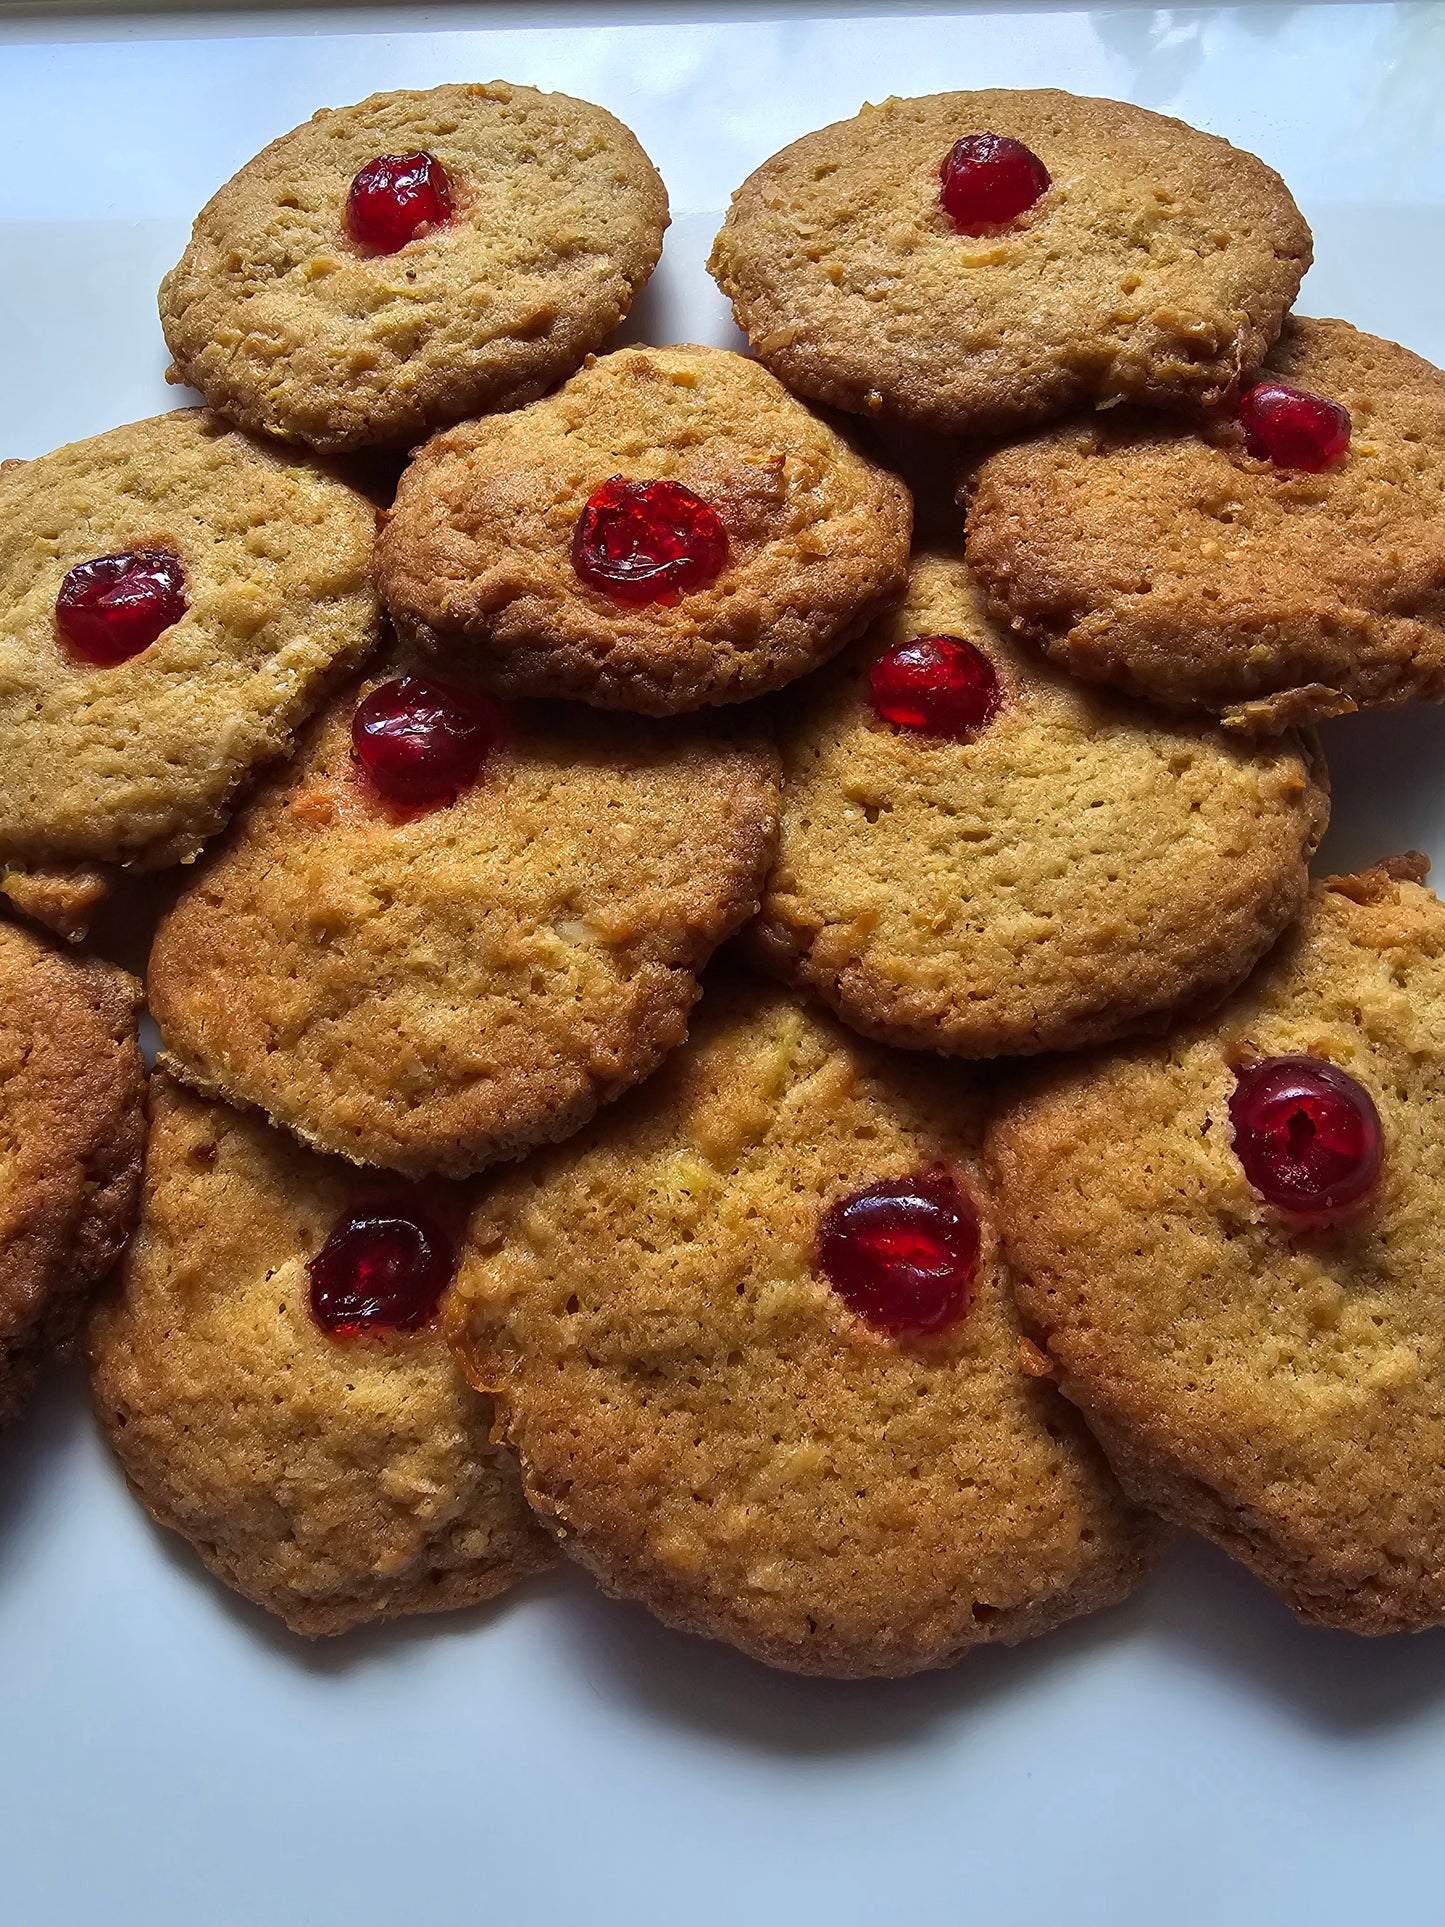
(1069,869)
(332,1475)
(1156,266)
(1166,558)
(670,529)
(715,1430)
(1237,1265)
(250,566)
(289,313)
(72,1128)
(434,988)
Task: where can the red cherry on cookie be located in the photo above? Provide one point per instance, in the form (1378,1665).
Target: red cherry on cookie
(422,742)
(989,180)
(1292,428)
(383,1268)
(1307,1135)
(903,1254)
(111,608)
(940,684)
(641,541)
(394,197)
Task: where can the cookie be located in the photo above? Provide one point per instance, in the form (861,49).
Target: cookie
(71,1133)
(670,529)
(423,256)
(714,1429)
(1168,559)
(435,979)
(1143,261)
(1230,1243)
(1016,862)
(334,1472)
(174,599)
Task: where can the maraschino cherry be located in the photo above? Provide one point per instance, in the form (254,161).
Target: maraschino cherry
(643,541)
(1292,428)
(939,684)
(1307,1135)
(394,197)
(383,1268)
(421,741)
(989,180)
(903,1254)
(111,608)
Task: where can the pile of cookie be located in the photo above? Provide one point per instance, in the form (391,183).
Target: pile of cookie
(1046,1163)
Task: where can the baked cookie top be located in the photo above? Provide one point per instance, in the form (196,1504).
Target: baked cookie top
(714,1431)
(72,1086)
(1269,1375)
(332,1476)
(1050,866)
(541,540)
(251,568)
(551,220)
(434,987)
(1167,558)
(1156,266)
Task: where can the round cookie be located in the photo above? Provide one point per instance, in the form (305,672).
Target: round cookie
(1157,267)
(1165,558)
(72,1128)
(293,328)
(137,762)
(479,550)
(332,1479)
(435,989)
(1274,1381)
(1078,867)
(708,1425)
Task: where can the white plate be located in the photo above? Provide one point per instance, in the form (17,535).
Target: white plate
(172,1759)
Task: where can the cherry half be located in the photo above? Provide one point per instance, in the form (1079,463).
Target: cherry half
(383,1268)
(940,684)
(394,197)
(1307,1135)
(1292,428)
(422,742)
(989,180)
(111,608)
(903,1254)
(641,541)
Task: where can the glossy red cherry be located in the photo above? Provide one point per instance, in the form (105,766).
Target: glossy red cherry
(1307,1135)
(422,742)
(989,180)
(394,197)
(1292,428)
(903,1254)
(641,541)
(940,684)
(111,608)
(383,1268)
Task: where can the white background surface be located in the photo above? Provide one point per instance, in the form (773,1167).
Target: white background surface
(168,1757)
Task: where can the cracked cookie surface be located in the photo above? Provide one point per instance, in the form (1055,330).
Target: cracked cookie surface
(137,763)
(1164,558)
(1157,267)
(291,328)
(714,1432)
(72,1127)
(436,989)
(1082,867)
(1275,1386)
(478,553)
(333,1480)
